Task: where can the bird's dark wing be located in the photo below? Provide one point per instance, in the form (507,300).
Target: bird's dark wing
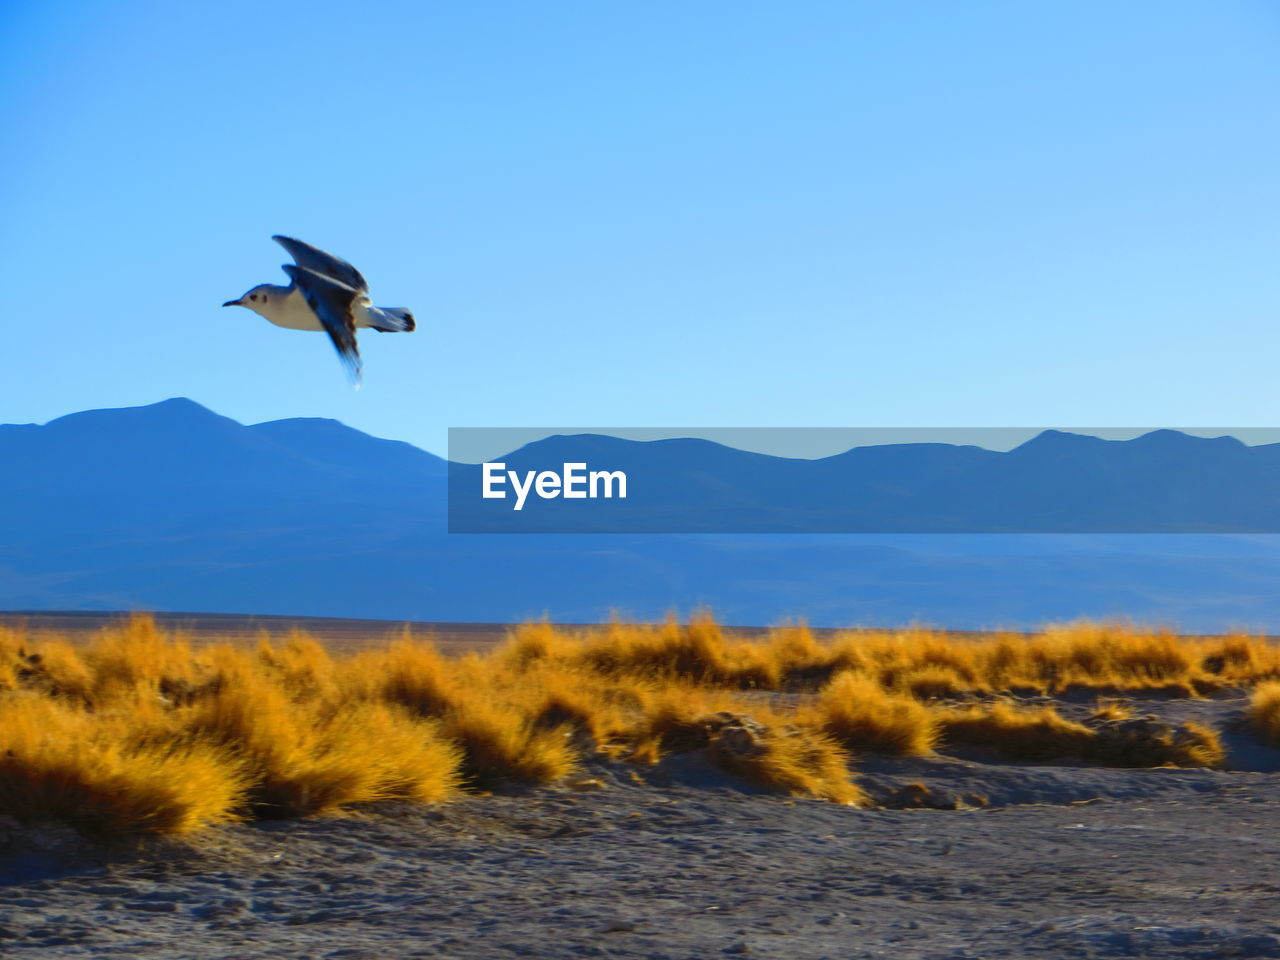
(332,303)
(313,258)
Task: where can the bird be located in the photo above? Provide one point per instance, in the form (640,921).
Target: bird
(326,294)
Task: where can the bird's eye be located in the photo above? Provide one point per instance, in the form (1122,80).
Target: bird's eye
(253,296)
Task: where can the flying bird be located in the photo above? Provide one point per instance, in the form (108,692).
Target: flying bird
(328,294)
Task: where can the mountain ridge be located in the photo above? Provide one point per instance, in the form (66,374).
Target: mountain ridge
(178,508)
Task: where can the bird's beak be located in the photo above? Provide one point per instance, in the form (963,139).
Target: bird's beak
(232,303)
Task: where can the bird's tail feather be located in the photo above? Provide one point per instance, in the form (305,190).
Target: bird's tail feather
(391,320)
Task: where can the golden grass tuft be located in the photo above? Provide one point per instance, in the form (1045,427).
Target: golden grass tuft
(414,675)
(1263,715)
(502,744)
(1041,733)
(788,759)
(1038,733)
(531,642)
(593,713)
(1106,658)
(301,666)
(139,730)
(862,715)
(56,669)
(58,762)
(136,659)
(671,651)
(307,757)
(1152,744)
(933,682)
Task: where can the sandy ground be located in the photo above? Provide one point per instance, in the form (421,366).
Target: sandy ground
(678,861)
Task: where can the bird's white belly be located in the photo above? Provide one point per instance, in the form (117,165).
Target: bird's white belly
(293,314)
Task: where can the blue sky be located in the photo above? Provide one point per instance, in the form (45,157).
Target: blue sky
(651,214)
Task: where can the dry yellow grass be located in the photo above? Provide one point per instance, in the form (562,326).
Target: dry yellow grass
(769,747)
(413,675)
(318,756)
(863,715)
(1264,713)
(59,762)
(1090,656)
(1158,745)
(1016,733)
(500,742)
(787,758)
(142,731)
(1041,733)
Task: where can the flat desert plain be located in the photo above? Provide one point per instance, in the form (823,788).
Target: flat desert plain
(964,857)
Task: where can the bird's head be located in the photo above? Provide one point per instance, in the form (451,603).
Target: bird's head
(256,299)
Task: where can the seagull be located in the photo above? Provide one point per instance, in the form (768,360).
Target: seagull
(328,294)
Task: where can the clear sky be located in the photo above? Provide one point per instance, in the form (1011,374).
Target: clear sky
(651,214)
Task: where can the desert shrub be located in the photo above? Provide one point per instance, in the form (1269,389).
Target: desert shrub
(301,666)
(1102,657)
(862,715)
(500,742)
(317,757)
(1041,733)
(932,682)
(91,771)
(594,712)
(411,760)
(784,758)
(414,675)
(1263,715)
(759,744)
(55,668)
(12,657)
(532,642)
(1156,659)
(1239,659)
(1147,742)
(1097,656)
(697,652)
(795,647)
(561,704)
(138,730)
(1016,734)
(668,718)
(136,660)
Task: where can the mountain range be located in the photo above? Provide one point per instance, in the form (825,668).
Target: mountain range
(173,507)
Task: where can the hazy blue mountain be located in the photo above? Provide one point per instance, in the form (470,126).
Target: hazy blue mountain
(172,507)
(176,462)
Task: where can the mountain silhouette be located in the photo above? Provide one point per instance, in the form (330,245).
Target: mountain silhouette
(175,465)
(173,507)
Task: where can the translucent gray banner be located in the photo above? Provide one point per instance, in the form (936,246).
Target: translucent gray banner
(864,480)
